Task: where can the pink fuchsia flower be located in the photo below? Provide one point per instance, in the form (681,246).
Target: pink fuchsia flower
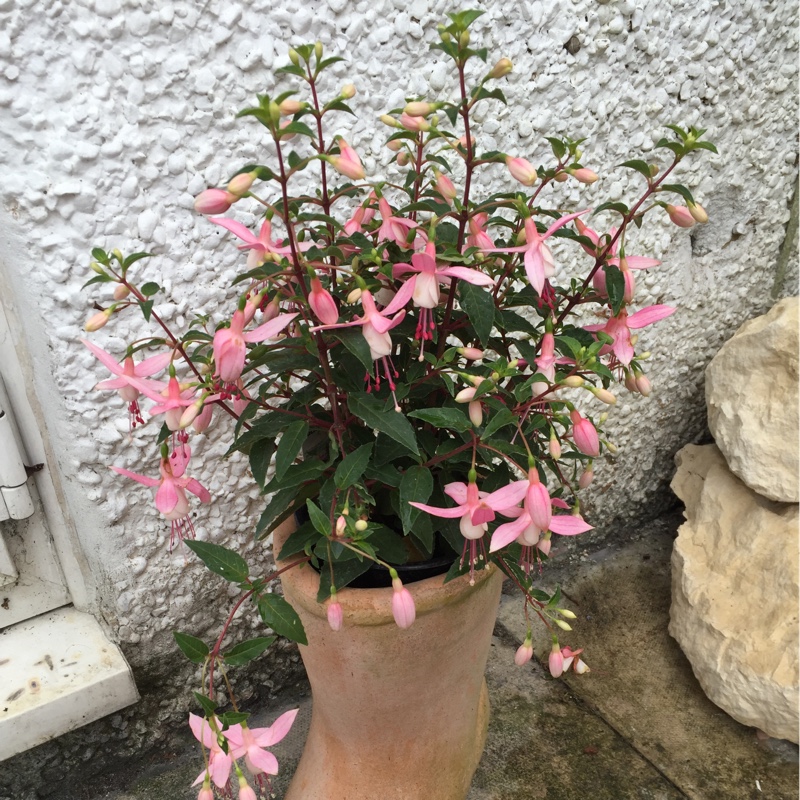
(571,659)
(230,344)
(219,762)
(363,215)
(403,609)
(260,246)
(425,285)
(171,500)
(477,233)
(584,435)
(347,162)
(322,303)
(131,380)
(214,201)
(538,259)
(618,328)
(172,401)
(393,229)
(521,170)
(250,743)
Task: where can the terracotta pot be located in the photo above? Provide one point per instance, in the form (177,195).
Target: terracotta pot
(397,714)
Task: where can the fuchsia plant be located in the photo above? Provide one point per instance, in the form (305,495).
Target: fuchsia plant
(405,384)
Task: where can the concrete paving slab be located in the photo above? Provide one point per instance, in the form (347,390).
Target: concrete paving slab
(643,686)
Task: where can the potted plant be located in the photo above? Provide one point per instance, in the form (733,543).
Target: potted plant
(417,394)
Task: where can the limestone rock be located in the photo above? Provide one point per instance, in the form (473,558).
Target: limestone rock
(752,399)
(734,593)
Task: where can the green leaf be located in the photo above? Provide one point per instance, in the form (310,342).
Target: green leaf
(133,258)
(98,279)
(149,289)
(281,617)
(221,560)
(260,458)
(147,309)
(615,286)
(319,520)
(196,650)
(392,423)
(247,651)
(416,485)
(298,127)
(344,572)
(443,418)
(559,148)
(352,466)
(297,541)
(704,146)
(478,304)
(233,717)
(498,420)
(639,166)
(278,508)
(98,254)
(389,545)
(296,474)
(206,703)
(289,446)
(355,342)
(620,208)
(678,189)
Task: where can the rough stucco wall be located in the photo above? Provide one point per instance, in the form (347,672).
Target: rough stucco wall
(116,113)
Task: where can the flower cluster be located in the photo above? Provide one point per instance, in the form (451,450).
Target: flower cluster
(408,364)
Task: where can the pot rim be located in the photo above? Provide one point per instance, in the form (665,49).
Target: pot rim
(374,606)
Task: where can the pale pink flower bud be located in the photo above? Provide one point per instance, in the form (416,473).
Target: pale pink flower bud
(335,615)
(501,68)
(555,447)
(206,793)
(445,186)
(630,382)
(240,184)
(560,177)
(348,91)
(543,545)
(586,478)
(190,414)
(322,303)
(603,395)
(402,604)
(121,292)
(403,158)
(643,385)
(214,201)
(698,213)
(583,175)
(341,525)
(347,162)
(287,137)
(521,170)
(475,413)
(395,145)
(203,419)
(97,321)
(246,791)
(584,435)
(524,652)
(471,353)
(414,123)
(289,107)
(466,395)
(573,381)
(680,215)
(556,661)
(354,296)
(419,109)
(386,119)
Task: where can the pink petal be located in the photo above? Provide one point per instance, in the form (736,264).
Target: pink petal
(269,329)
(567,525)
(236,228)
(481,514)
(534,268)
(167,496)
(113,383)
(508,532)
(558,502)
(150,366)
(472,276)
(458,491)
(559,223)
(263,760)
(220,768)
(508,496)
(647,316)
(106,359)
(202,731)
(400,300)
(140,478)
(266,737)
(402,269)
(449,513)
(640,262)
(196,488)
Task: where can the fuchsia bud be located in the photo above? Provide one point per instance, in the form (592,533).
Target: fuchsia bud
(287,137)
(419,109)
(630,381)
(348,91)
(583,175)
(403,158)
(475,413)
(524,652)
(466,395)
(543,545)
(643,385)
(335,615)
(289,107)
(521,170)
(414,123)
(555,447)
(121,292)
(94,323)
(698,213)
(190,414)
(680,215)
(556,661)
(240,184)
(206,793)
(347,162)
(471,353)
(214,201)
(203,419)
(246,791)
(501,68)
(322,303)
(603,395)
(584,435)
(395,145)
(445,186)
(586,478)
(402,603)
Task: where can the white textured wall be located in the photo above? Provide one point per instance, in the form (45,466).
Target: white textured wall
(115,113)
